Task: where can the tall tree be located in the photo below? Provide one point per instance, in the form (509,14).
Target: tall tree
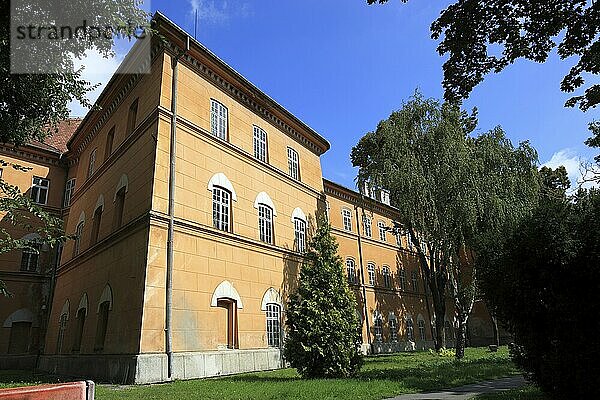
(323,338)
(483,36)
(450,189)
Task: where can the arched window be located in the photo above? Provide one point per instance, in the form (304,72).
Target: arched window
(367,226)
(221,209)
(371,272)
(299,220)
(421,324)
(226,297)
(378,326)
(20,323)
(119,200)
(393,322)
(79,234)
(402,274)
(132,116)
(351,271)
(69,190)
(62,326)
(387,277)
(97,220)
(110,138)
(265,223)
(104,306)
(273,325)
(80,322)
(410,330)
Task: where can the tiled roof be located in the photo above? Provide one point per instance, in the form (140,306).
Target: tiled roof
(57,142)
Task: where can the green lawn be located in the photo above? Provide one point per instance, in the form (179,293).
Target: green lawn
(380,377)
(526,393)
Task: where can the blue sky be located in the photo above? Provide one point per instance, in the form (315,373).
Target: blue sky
(342,66)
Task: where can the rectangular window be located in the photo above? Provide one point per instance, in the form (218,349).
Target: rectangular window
(378,329)
(102,326)
(1,173)
(30,258)
(351,272)
(273,325)
(265,223)
(119,208)
(39,190)
(415,281)
(410,330)
(402,279)
(218,119)
(368,228)
(221,199)
(260,144)
(382,231)
(69,189)
(79,329)
(293,163)
(96,226)
(110,138)
(62,328)
(347,219)
(387,278)
(92,162)
(300,234)
(421,324)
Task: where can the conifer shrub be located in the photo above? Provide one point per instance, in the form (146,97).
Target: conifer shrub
(323,337)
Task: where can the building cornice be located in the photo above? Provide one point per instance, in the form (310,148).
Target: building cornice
(359,200)
(212,68)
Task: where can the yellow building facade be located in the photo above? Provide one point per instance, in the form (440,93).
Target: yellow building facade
(193,195)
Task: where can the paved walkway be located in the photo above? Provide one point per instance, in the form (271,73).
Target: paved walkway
(468,391)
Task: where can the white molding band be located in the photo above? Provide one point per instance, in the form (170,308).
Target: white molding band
(225,290)
(263,198)
(298,213)
(271,296)
(123,183)
(83,303)
(106,296)
(221,180)
(21,315)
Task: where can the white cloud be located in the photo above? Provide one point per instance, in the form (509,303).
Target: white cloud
(97,70)
(573,163)
(209,11)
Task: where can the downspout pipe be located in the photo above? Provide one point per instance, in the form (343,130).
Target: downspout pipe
(362,277)
(171,211)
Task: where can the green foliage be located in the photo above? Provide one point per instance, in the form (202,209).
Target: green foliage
(483,36)
(323,332)
(448,353)
(453,190)
(542,280)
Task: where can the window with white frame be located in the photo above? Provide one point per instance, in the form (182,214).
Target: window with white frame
(402,276)
(371,272)
(367,225)
(351,271)
(398,238)
(39,190)
(393,328)
(300,234)
(92,162)
(387,276)
(69,189)
(378,327)
(30,258)
(293,163)
(78,235)
(415,281)
(421,324)
(273,325)
(221,208)
(260,144)
(218,119)
(382,230)
(347,219)
(265,223)
(410,330)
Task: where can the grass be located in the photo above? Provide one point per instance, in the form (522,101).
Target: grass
(525,393)
(380,377)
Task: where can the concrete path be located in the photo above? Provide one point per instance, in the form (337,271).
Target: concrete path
(468,391)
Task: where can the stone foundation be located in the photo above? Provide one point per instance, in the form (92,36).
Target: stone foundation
(152,368)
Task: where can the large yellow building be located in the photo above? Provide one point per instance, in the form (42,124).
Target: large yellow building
(193,195)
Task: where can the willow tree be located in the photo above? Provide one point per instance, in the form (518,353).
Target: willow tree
(451,189)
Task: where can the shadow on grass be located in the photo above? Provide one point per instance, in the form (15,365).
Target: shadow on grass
(421,376)
(11,378)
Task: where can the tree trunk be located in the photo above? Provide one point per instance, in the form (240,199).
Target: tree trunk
(461,334)
(439,305)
